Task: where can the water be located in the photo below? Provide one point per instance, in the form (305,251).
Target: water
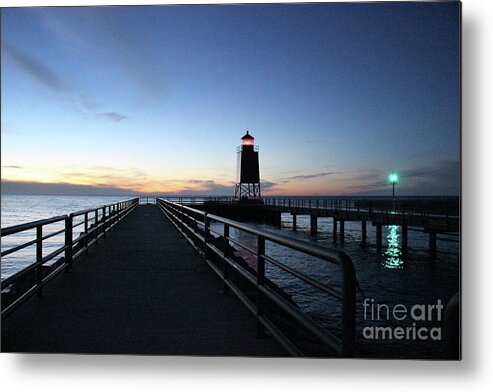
(385,276)
(23,209)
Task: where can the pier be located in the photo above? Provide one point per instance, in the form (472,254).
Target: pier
(430,216)
(130,284)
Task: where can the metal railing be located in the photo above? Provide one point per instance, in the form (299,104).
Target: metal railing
(448,207)
(96,222)
(144,200)
(195,226)
(240,148)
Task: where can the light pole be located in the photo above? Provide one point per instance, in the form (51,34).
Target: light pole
(393,180)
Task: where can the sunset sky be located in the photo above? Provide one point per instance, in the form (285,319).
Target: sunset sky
(155,99)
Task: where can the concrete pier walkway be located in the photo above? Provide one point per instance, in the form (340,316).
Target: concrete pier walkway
(140,290)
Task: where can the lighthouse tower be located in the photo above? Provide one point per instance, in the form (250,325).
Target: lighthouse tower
(247,171)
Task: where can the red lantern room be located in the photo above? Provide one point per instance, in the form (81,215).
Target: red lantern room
(247,188)
(247,140)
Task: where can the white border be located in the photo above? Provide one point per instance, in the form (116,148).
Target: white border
(130,373)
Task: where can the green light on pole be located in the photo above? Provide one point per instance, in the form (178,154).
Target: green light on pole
(393,180)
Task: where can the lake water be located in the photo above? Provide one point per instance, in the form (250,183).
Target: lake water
(385,277)
(23,209)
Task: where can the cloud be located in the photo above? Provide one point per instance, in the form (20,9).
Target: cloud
(101,176)
(437,178)
(103,35)
(308,176)
(34,68)
(12,167)
(302,177)
(38,188)
(267,185)
(80,102)
(207,187)
(113,116)
(109,184)
(440,170)
(62,30)
(143,66)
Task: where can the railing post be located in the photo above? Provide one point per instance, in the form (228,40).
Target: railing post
(226,255)
(39,259)
(104,221)
(112,215)
(68,240)
(206,236)
(86,229)
(260,281)
(96,223)
(193,222)
(182,219)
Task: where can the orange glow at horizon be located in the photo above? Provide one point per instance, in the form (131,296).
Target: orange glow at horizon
(156,181)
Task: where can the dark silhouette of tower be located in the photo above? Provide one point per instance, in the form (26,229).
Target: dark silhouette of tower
(247,171)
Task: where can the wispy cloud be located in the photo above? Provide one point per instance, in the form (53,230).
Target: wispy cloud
(113,116)
(108,37)
(99,175)
(440,170)
(308,176)
(143,66)
(302,177)
(209,187)
(11,167)
(45,76)
(38,188)
(34,68)
(436,178)
(61,30)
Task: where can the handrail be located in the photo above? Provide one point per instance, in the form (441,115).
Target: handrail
(105,217)
(187,219)
(444,207)
(31,225)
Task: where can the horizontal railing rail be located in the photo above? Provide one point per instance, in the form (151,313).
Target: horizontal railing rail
(425,208)
(185,199)
(195,226)
(96,221)
(448,207)
(143,200)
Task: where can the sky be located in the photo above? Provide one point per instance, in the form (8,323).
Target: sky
(155,99)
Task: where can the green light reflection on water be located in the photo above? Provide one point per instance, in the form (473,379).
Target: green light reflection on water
(392,258)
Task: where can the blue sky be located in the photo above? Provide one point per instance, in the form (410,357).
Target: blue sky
(155,99)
